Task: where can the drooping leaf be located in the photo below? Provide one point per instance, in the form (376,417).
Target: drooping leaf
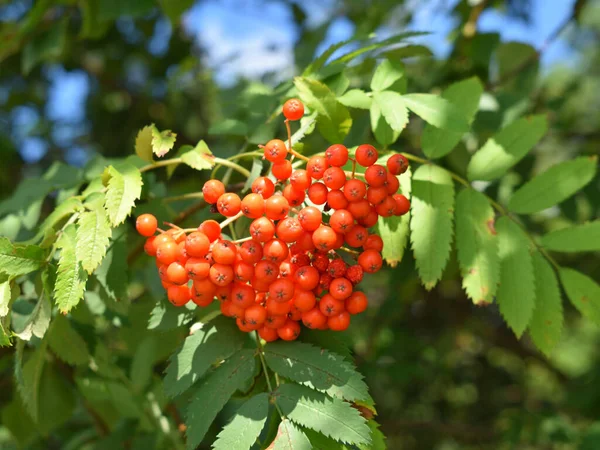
(393,109)
(516,291)
(316,368)
(199,158)
(332,417)
(37,322)
(355,98)
(28,377)
(93,234)
(386,74)
(553,186)
(320,61)
(16,260)
(216,341)
(143,362)
(437,111)
(333,118)
(215,391)
(394,230)
(583,292)
(112,274)
(432,212)
(290,437)
(382,130)
(124,187)
(545,326)
(162,141)
(230,127)
(143,144)
(465,96)
(67,343)
(246,425)
(477,246)
(579,238)
(70,278)
(507,148)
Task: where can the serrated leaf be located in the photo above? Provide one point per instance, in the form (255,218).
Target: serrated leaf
(321,442)
(377,437)
(477,246)
(199,158)
(355,98)
(386,74)
(507,148)
(335,342)
(93,235)
(408,51)
(332,417)
(553,186)
(162,141)
(124,187)
(16,260)
(393,109)
(516,291)
(316,368)
(583,292)
(165,316)
(215,391)
(37,322)
(437,111)
(28,377)
(230,127)
(67,343)
(320,61)
(333,118)
(545,326)
(70,277)
(381,129)
(307,126)
(246,425)
(112,274)
(394,230)
(217,340)
(60,213)
(579,238)
(143,143)
(432,212)
(465,96)
(290,437)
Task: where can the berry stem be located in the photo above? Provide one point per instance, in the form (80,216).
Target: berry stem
(261,355)
(177,198)
(290,148)
(245,155)
(349,250)
(157,164)
(232,165)
(239,241)
(231,219)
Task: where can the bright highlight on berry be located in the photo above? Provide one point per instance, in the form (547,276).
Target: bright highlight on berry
(307,249)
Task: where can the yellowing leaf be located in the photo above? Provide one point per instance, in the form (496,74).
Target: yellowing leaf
(124,187)
(143,143)
(162,141)
(199,158)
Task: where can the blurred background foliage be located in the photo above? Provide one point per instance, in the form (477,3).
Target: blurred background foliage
(79,78)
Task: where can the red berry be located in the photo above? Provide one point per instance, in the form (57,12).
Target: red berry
(263,186)
(397,164)
(366,155)
(146,225)
(293,109)
(336,155)
(275,150)
(212,190)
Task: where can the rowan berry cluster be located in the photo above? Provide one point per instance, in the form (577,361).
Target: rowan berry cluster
(289,270)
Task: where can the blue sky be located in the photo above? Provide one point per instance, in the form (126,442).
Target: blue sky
(248,38)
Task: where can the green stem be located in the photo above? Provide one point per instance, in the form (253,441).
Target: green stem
(157,164)
(189,196)
(245,155)
(231,164)
(266,371)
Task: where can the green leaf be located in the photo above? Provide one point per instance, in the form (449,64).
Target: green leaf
(164,316)
(123,189)
(516,292)
(408,51)
(320,61)
(332,417)
(46,46)
(321,442)
(217,340)
(465,96)
(59,214)
(57,399)
(143,362)
(335,342)
(230,127)
(113,9)
(355,98)
(583,292)
(437,111)
(518,66)
(290,437)
(93,235)
(377,437)
(255,171)
(316,368)
(546,322)
(67,343)
(199,158)
(5,297)
(162,141)
(394,230)
(143,143)
(28,377)
(432,212)
(386,74)
(37,322)
(579,238)
(16,260)
(477,246)
(333,118)
(70,278)
(215,391)
(381,129)
(112,274)
(393,109)
(507,148)
(248,422)
(174,9)
(553,186)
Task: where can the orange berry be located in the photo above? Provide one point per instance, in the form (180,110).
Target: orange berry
(310,218)
(262,229)
(289,331)
(253,206)
(304,300)
(197,244)
(268,334)
(300,179)
(242,295)
(316,166)
(314,318)
(402,204)
(178,295)
(355,190)
(150,246)
(317,193)
(339,322)
(331,306)
(307,278)
(356,303)
(177,274)
(294,196)
(376,175)
(211,229)
(324,238)
(275,250)
(373,242)
(230,309)
(266,271)
(224,252)
(167,252)
(376,195)
(255,315)
(282,170)
(359,208)
(336,155)
(251,252)
(397,164)
(221,274)
(276,308)
(336,199)
(229,204)
(282,290)
(392,184)
(387,208)
(370,261)
(289,229)
(341,221)
(146,225)
(197,268)
(277,207)
(334,178)
(357,236)
(242,271)
(275,150)
(293,109)
(212,190)
(340,288)
(263,186)
(366,155)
